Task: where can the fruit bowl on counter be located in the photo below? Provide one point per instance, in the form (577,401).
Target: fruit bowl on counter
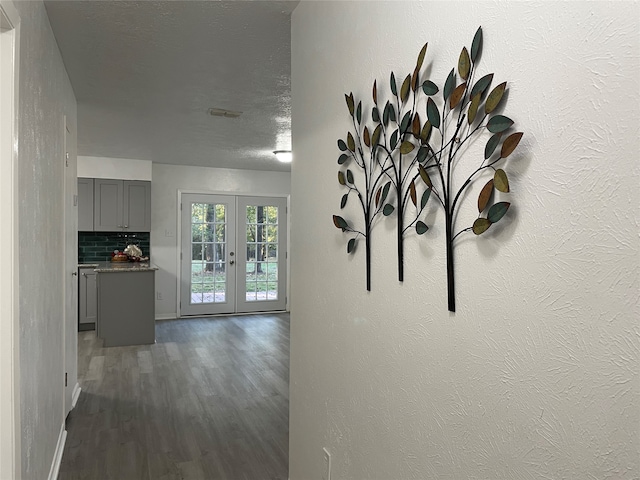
(118,256)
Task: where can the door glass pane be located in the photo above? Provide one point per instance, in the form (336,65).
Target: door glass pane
(262,253)
(208,279)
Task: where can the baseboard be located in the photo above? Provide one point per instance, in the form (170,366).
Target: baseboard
(75,395)
(166,316)
(57,457)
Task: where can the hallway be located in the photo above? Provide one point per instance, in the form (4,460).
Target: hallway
(209,400)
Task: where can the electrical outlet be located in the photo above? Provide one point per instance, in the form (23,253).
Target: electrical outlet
(158,295)
(327,464)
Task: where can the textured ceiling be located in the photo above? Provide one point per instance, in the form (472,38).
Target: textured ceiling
(144,74)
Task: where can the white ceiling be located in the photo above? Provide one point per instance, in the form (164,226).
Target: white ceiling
(145,72)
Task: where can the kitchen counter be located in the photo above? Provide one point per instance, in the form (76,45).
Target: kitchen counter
(104,267)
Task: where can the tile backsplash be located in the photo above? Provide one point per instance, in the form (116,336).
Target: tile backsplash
(97,246)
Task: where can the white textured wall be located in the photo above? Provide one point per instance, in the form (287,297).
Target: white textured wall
(118,168)
(536,374)
(45,97)
(167,181)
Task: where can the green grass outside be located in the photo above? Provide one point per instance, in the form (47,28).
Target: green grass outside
(202,281)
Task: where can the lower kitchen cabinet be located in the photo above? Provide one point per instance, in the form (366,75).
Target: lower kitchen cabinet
(126,307)
(87,298)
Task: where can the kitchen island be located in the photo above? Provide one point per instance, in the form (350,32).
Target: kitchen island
(126,305)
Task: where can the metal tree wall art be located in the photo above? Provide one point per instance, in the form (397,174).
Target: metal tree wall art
(402,162)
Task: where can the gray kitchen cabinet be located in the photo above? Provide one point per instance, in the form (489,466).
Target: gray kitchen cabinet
(136,206)
(87,298)
(126,307)
(121,205)
(85,204)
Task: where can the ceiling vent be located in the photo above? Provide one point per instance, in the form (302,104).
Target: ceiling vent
(221,112)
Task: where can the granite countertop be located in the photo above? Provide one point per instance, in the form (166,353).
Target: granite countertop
(104,267)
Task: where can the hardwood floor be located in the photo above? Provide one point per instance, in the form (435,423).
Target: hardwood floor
(210,400)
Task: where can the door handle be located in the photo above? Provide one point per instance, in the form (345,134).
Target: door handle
(74,274)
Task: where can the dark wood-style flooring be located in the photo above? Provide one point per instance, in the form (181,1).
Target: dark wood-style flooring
(210,400)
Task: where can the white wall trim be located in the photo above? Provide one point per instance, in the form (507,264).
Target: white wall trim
(167,316)
(57,456)
(10,457)
(75,395)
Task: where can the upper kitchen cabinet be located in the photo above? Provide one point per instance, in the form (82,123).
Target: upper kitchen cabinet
(85,204)
(121,205)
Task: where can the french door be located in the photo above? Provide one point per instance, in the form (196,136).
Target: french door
(233,256)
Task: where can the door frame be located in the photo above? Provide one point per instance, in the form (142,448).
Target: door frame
(182,192)
(71,387)
(10,454)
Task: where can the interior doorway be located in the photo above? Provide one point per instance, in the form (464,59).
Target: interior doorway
(233,254)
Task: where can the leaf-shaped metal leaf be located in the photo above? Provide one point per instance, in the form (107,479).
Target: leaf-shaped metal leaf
(429,88)
(394,139)
(404,124)
(351,245)
(375,114)
(425,176)
(394,87)
(359,112)
(365,137)
(341,145)
(350,102)
(482,85)
(485,196)
(415,125)
(388,210)
(375,92)
(350,177)
(422,154)
(392,113)
(464,65)
(476,45)
(378,193)
(385,192)
(425,198)
(497,211)
(414,80)
(510,144)
(376,135)
(501,181)
(340,222)
(404,90)
(481,225)
(406,147)
(421,227)
(432,113)
(499,123)
(421,55)
(385,114)
(473,108)
(343,202)
(449,85)
(491,145)
(341,179)
(343,158)
(457,94)
(412,193)
(351,143)
(426,132)
(494,98)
